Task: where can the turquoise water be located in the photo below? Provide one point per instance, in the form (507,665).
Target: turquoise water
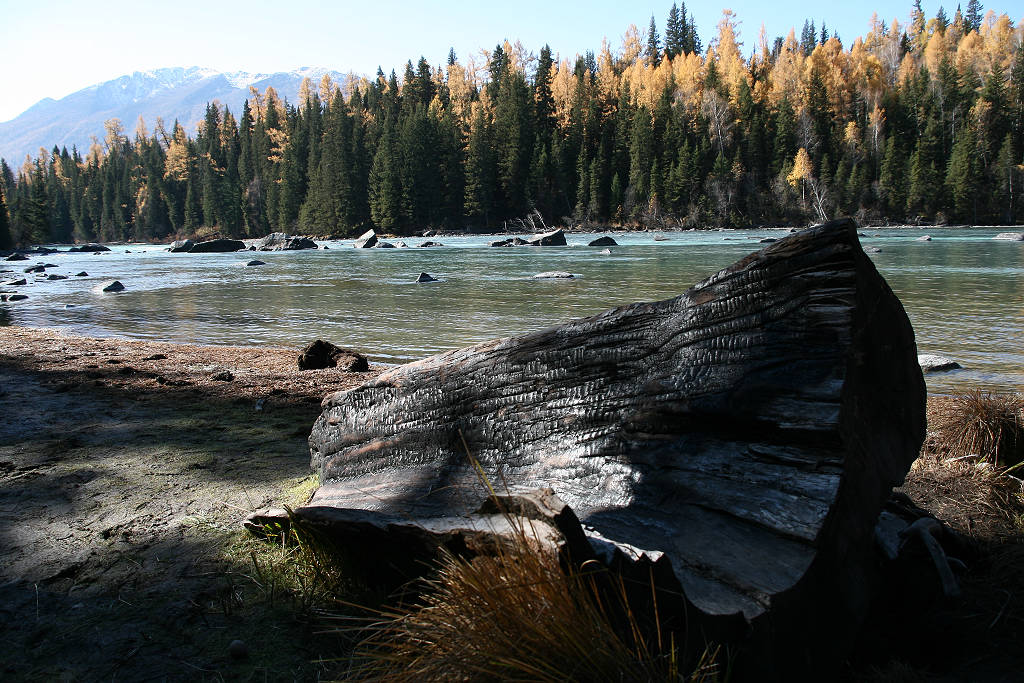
(963,291)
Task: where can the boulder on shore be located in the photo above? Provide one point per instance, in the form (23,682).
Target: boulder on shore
(321,354)
(555,238)
(365,241)
(603,242)
(217,246)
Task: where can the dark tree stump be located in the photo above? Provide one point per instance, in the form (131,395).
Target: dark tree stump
(740,438)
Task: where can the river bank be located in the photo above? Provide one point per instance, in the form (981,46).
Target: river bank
(126,466)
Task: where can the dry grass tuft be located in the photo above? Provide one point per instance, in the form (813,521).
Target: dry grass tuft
(980,423)
(518,615)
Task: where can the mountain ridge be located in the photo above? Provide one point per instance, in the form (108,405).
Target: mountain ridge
(171,93)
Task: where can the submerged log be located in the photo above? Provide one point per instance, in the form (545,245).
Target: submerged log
(737,442)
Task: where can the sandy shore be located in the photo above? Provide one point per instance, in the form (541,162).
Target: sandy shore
(125,468)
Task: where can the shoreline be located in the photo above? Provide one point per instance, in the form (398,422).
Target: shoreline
(121,497)
(126,468)
(590,230)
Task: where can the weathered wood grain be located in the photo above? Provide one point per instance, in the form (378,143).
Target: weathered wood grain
(745,432)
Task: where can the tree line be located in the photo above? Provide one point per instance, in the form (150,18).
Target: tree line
(915,122)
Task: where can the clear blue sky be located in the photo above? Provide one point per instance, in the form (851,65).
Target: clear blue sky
(52,48)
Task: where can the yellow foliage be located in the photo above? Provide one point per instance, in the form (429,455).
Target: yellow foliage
(326,89)
(787,76)
(632,46)
(688,71)
(803,169)
(1000,40)
(936,50)
(563,87)
(176,165)
(727,52)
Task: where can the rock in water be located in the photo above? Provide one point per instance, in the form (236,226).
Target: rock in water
(423,277)
(1008,236)
(112,286)
(321,354)
(735,443)
(217,246)
(555,238)
(94,248)
(180,246)
(554,275)
(603,242)
(279,241)
(366,240)
(932,363)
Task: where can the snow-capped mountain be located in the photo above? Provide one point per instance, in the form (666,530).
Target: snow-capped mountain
(173,93)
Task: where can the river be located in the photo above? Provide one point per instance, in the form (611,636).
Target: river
(963,291)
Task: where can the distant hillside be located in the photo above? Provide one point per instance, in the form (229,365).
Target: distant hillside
(175,93)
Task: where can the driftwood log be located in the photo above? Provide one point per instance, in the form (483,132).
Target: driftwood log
(736,442)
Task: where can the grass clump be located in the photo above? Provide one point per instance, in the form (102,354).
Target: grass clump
(519,615)
(980,423)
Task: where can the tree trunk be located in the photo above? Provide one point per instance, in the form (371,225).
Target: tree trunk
(742,437)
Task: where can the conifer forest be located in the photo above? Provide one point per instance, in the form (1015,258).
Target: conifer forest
(922,122)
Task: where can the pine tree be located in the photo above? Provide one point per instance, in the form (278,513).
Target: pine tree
(1007,182)
(808,38)
(513,135)
(892,181)
(653,50)
(481,169)
(385,183)
(962,178)
(544,102)
(6,242)
(972,20)
(674,31)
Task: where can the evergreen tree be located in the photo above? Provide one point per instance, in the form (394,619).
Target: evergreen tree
(513,135)
(481,169)
(385,183)
(675,31)
(972,20)
(1007,182)
(962,178)
(544,101)
(808,38)
(653,50)
(6,242)
(892,180)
